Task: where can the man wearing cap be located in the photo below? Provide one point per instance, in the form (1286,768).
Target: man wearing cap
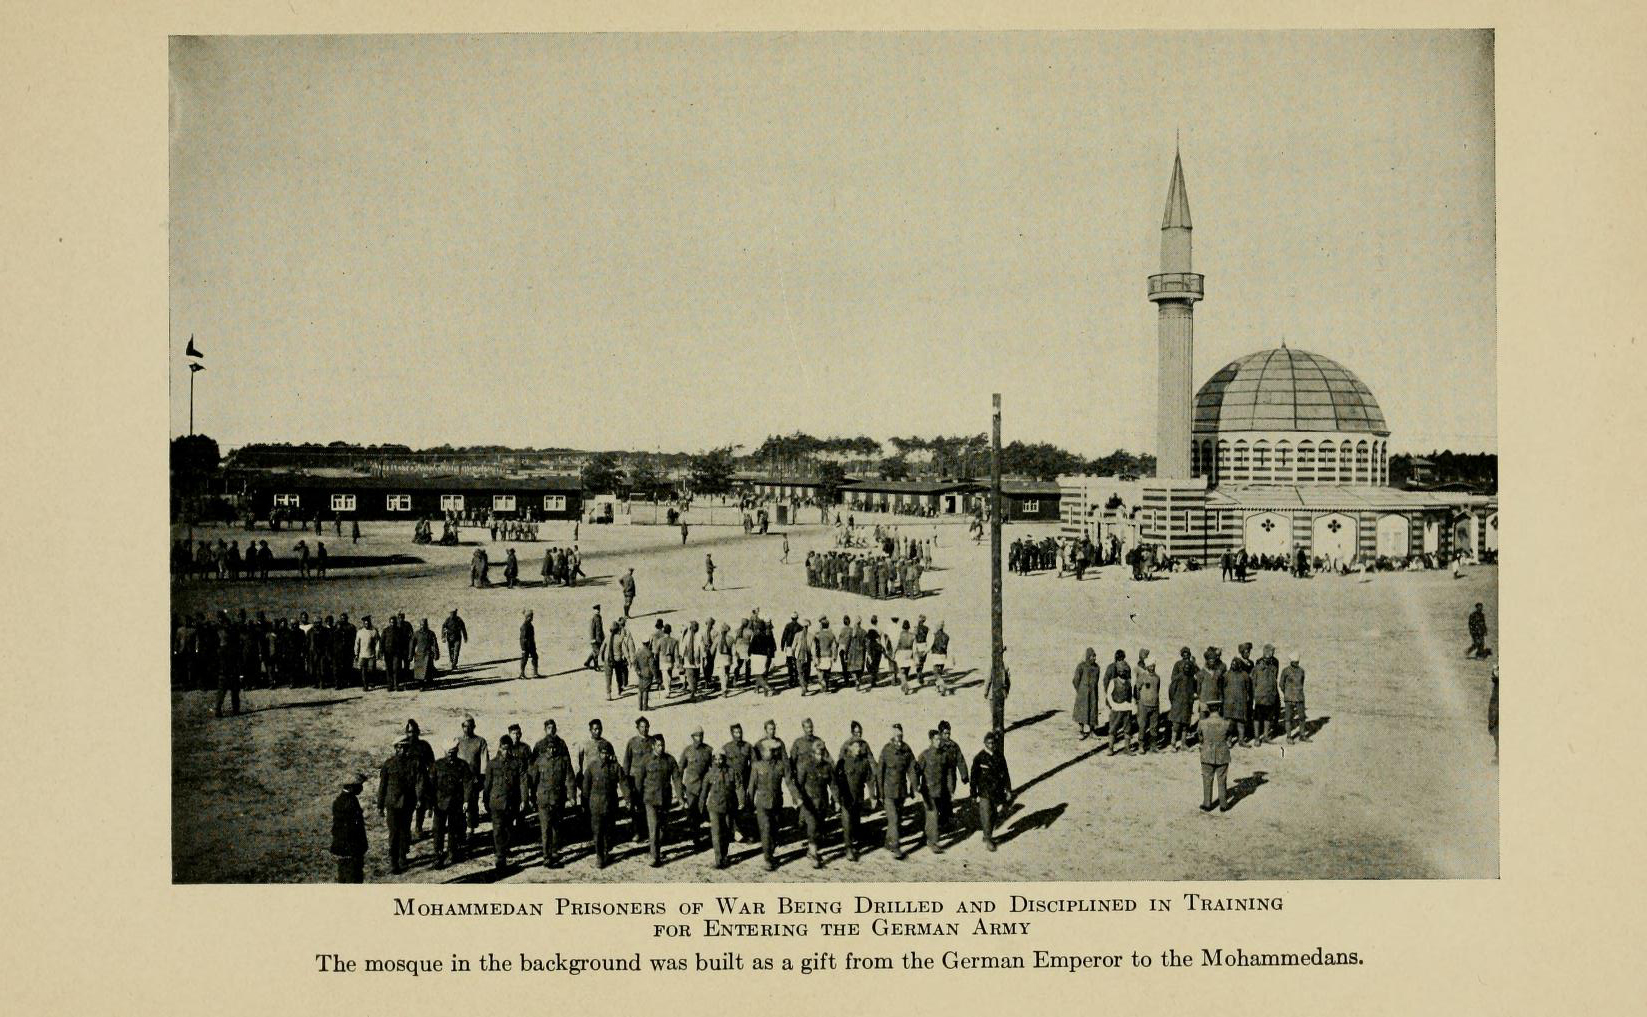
(740,757)
(455,632)
(695,762)
(1181,697)
(660,784)
(455,785)
(634,766)
(1215,757)
(803,748)
(1237,698)
(349,831)
(602,782)
(800,658)
(767,776)
(957,762)
(721,798)
(824,651)
(591,750)
(644,663)
(627,584)
(1146,690)
(399,784)
(474,752)
(991,786)
(813,777)
(505,790)
(424,754)
(528,646)
(553,786)
(786,642)
(597,636)
(1478,633)
(935,783)
(1266,695)
(854,783)
(1292,690)
(894,773)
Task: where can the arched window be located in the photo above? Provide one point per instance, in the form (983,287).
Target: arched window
(1239,467)
(1363,468)
(1346,460)
(1261,455)
(1283,459)
(1306,461)
(1195,458)
(1223,457)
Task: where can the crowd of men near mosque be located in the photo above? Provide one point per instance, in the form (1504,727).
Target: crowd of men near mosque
(723,658)
(562,566)
(704,797)
(234,653)
(1075,555)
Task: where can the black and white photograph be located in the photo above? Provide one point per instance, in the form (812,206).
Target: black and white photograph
(833,457)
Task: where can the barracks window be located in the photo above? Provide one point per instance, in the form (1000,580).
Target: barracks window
(343,503)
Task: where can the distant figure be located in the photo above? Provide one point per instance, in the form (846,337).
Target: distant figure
(1292,695)
(354,531)
(683,532)
(349,830)
(528,646)
(1492,714)
(511,569)
(320,559)
(1478,633)
(455,632)
(627,585)
(709,572)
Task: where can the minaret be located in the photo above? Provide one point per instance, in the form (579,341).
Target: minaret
(1175,291)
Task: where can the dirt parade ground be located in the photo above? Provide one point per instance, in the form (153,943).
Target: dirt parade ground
(1398,781)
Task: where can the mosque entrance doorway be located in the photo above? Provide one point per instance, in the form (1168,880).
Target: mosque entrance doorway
(1269,533)
(1333,536)
(1394,536)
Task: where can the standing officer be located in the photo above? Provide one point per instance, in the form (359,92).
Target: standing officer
(855,782)
(935,782)
(349,831)
(660,782)
(766,779)
(812,780)
(1216,733)
(696,760)
(722,799)
(602,781)
(528,646)
(505,790)
(553,785)
(893,777)
(634,765)
(454,786)
(398,787)
(991,786)
(455,633)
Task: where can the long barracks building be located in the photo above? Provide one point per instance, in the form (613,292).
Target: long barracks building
(416,497)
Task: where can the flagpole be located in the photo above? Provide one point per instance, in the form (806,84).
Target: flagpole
(192,373)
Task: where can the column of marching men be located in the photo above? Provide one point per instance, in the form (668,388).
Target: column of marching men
(691,798)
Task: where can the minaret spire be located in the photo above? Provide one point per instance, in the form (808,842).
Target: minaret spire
(1174,290)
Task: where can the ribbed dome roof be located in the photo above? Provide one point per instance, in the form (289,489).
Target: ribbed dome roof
(1287,390)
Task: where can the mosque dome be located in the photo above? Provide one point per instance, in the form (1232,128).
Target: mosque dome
(1287,390)
(1282,415)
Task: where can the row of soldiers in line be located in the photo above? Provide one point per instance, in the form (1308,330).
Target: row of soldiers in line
(879,576)
(512,529)
(562,566)
(704,796)
(234,653)
(224,560)
(1259,698)
(719,656)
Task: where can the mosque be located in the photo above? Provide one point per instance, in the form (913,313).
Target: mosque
(1279,450)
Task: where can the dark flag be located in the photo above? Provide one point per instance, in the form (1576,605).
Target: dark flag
(197,367)
(191,351)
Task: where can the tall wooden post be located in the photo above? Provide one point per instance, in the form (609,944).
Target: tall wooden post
(997,640)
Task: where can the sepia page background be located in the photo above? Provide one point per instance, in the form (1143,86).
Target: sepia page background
(97,926)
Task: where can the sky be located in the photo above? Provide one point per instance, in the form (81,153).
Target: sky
(627,241)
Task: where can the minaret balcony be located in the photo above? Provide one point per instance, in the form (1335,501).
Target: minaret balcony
(1176,286)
